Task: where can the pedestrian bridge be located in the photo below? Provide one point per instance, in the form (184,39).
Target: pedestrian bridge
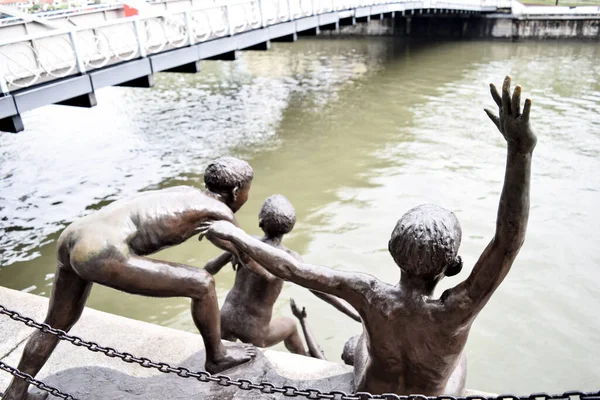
(66,66)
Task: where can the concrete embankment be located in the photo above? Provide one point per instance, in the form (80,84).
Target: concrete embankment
(522,22)
(88,375)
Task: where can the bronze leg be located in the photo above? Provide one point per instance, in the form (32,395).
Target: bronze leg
(284,329)
(68,298)
(145,276)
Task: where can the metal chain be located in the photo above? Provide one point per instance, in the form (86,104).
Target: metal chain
(29,379)
(244,384)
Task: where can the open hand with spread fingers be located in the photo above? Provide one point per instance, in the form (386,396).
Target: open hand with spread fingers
(513,124)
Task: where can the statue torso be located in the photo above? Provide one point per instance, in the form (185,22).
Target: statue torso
(410,344)
(146,222)
(248,307)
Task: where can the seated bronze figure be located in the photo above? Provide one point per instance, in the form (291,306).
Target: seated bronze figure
(247,312)
(412,342)
(109,247)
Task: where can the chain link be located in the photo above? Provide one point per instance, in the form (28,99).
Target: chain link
(29,379)
(244,384)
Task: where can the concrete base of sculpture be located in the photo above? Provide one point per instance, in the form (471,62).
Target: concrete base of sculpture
(104,383)
(88,375)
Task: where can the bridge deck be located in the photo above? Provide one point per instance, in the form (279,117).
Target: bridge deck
(66,66)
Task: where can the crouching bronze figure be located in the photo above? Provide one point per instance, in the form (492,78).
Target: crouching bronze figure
(109,247)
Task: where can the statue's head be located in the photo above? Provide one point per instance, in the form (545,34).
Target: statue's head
(425,242)
(277,216)
(230,178)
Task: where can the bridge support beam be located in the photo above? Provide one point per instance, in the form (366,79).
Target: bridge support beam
(310,32)
(87,100)
(350,21)
(334,26)
(260,46)
(12,124)
(189,68)
(229,56)
(287,38)
(377,17)
(146,81)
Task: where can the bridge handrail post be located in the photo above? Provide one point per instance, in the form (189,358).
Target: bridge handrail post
(289,5)
(138,36)
(3,86)
(313,9)
(75,44)
(229,24)
(262,13)
(188,25)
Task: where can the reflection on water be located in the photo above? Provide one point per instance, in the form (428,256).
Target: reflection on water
(354,133)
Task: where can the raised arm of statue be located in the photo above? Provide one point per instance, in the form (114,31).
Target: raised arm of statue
(513,212)
(349,286)
(314,349)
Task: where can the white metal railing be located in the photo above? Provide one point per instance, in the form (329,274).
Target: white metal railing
(68,12)
(33,59)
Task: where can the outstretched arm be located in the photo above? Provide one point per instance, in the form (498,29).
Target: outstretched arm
(217,263)
(339,304)
(513,212)
(236,261)
(219,212)
(352,287)
(258,270)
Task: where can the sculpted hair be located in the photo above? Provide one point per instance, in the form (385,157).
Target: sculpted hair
(425,242)
(277,215)
(226,173)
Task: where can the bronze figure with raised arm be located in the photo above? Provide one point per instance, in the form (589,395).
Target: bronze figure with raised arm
(412,342)
(314,349)
(248,309)
(109,247)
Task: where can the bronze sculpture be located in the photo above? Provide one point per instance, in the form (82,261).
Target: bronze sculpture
(109,245)
(313,347)
(413,343)
(247,311)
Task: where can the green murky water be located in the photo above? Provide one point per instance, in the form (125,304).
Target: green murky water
(354,133)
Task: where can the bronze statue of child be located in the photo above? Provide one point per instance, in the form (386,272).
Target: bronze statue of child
(412,342)
(109,247)
(247,313)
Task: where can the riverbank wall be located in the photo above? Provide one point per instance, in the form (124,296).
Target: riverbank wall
(92,375)
(523,22)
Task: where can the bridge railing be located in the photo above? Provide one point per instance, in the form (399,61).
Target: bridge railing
(32,60)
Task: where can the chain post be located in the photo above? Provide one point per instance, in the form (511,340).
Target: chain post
(188,26)
(75,44)
(139,37)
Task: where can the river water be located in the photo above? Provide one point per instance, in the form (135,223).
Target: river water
(354,133)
